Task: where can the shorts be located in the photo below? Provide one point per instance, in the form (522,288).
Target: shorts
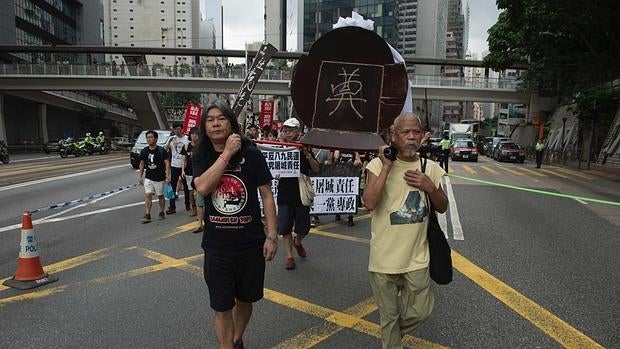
(151,187)
(200,200)
(299,216)
(234,274)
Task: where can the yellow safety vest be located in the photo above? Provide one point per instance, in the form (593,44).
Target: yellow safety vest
(445,144)
(539,146)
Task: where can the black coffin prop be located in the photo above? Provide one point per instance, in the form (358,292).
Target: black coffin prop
(347,89)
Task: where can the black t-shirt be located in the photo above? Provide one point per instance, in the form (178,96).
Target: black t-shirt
(288,188)
(232,212)
(188,151)
(154,163)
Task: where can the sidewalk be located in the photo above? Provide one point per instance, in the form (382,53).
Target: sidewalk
(609,172)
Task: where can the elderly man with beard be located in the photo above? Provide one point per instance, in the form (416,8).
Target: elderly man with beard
(398,194)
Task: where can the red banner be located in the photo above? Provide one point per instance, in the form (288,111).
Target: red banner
(192,117)
(266,112)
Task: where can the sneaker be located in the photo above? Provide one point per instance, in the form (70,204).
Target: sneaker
(289,263)
(350,221)
(238,345)
(188,208)
(146,218)
(161,217)
(337,218)
(171,211)
(301,251)
(198,230)
(312,223)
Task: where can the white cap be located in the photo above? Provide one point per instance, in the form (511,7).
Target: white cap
(292,122)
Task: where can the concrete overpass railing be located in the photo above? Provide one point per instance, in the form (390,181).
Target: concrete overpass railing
(234,72)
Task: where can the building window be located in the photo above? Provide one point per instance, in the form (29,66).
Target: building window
(163,20)
(116,36)
(163,45)
(114,10)
(130,27)
(115,27)
(131,36)
(131,18)
(131,44)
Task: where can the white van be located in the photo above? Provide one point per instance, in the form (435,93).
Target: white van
(163,139)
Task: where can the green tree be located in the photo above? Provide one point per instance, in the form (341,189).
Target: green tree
(178,99)
(571,49)
(570,46)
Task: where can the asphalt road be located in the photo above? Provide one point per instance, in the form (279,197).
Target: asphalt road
(532,269)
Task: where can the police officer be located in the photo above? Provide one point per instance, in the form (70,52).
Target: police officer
(540,147)
(445,150)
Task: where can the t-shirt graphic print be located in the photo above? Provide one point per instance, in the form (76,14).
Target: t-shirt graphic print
(414,210)
(230,196)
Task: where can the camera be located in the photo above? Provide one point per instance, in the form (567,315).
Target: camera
(390,153)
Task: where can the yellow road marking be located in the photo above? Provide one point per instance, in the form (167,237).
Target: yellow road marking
(469,169)
(71,263)
(340,319)
(553,173)
(178,230)
(574,173)
(532,172)
(512,171)
(337,236)
(553,326)
(488,169)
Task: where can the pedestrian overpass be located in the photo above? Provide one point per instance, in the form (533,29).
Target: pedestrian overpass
(159,78)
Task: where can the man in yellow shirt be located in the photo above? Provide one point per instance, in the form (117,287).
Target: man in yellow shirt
(398,194)
(445,152)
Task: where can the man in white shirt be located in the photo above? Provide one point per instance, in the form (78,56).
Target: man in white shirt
(179,140)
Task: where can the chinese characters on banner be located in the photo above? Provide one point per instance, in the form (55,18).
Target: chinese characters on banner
(282,162)
(266,112)
(335,195)
(348,94)
(192,117)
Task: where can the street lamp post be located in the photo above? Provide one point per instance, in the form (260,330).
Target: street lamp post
(563,146)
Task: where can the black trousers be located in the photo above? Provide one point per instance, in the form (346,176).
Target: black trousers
(175,176)
(445,155)
(539,156)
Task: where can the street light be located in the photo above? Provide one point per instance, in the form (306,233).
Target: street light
(563,146)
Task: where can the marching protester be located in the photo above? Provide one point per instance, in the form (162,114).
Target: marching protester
(399,256)
(153,159)
(228,170)
(179,140)
(253,132)
(291,211)
(186,169)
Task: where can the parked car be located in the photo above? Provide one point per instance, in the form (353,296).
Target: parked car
(509,151)
(52,146)
(464,149)
(163,139)
(492,143)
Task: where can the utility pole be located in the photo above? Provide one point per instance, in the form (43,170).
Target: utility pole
(563,146)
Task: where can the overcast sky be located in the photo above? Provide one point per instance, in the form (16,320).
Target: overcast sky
(243,22)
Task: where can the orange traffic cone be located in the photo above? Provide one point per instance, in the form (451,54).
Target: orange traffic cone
(29,272)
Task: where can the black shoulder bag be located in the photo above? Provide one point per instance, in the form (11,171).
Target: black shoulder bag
(440,263)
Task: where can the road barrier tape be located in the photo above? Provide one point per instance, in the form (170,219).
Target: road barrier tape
(567,196)
(77,201)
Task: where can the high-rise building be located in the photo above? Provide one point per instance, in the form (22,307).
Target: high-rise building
(293,12)
(32,22)
(164,23)
(320,15)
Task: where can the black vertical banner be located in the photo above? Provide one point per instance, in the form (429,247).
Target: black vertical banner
(260,62)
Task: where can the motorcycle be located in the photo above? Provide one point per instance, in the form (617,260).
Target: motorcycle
(4,153)
(101,148)
(70,147)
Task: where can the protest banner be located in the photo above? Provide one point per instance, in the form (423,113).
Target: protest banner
(266,112)
(260,62)
(283,162)
(192,117)
(335,195)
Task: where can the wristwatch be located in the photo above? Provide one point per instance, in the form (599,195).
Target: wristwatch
(273,239)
